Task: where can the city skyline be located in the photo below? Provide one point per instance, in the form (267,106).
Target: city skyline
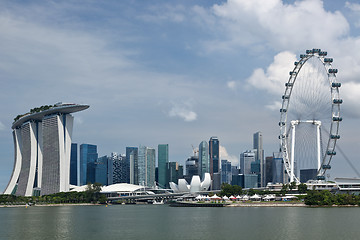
(173,73)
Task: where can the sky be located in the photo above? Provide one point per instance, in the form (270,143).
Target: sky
(175,72)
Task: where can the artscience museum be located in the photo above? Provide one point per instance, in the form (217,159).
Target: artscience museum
(195,186)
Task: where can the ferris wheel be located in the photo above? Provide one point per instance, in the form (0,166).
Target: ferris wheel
(310,117)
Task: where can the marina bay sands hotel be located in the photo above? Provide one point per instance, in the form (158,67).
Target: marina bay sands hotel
(42,144)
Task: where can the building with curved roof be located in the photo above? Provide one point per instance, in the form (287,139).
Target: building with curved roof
(42,143)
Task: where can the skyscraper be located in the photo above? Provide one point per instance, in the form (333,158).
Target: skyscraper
(88,155)
(42,142)
(118,169)
(246,158)
(163,159)
(258,145)
(132,161)
(74,165)
(204,160)
(226,172)
(214,152)
(146,166)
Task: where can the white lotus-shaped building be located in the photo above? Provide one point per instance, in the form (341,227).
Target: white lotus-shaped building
(195,186)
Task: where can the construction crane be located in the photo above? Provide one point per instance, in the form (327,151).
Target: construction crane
(195,150)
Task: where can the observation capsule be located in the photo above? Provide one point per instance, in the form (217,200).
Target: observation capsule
(326,166)
(337,101)
(302,55)
(323,53)
(296,63)
(337,119)
(334,84)
(320,178)
(285,97)
(316,50)
(335,136)
(289,84)
(283,110)
(292,73)
(281,123)
(281,136)
(328,60)
(333,70)
(331,152)
(308,51)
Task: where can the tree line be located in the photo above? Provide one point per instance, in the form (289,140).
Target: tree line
(90,195)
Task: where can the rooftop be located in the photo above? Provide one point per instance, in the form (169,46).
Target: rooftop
(38,114)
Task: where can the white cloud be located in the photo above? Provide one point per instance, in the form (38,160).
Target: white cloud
(275,24)
(350,92)
(275,106)
(231,85)
(353,6)
(275,76)
(2,126)
(224,155)
(183,111)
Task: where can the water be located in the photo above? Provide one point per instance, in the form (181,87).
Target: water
(164,222)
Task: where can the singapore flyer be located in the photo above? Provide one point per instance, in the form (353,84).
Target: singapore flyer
(310,117)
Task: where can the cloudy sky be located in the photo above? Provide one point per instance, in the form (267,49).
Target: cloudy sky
(175,72)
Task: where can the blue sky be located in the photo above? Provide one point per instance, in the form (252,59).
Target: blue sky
(174,72)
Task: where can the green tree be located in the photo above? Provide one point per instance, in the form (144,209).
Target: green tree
(302,188)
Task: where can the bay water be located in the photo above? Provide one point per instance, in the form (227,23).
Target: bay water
(164,222)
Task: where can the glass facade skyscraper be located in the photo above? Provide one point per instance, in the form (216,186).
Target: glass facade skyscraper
(74,164)
(146,166)
(214,155)
(204,160)
(258,145)
(88,154)
(226,172)
(163,159)
(132,159)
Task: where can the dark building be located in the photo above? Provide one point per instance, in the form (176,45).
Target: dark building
(175,172)
(268,170)
(74,165)
(118,169)
(307,174)
(88,154)
(277,169)
(226,172)
(214,155)
(192,168)
(163,159)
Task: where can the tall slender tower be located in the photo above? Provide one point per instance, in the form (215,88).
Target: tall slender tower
(132,161)
(204,160)
(146,166)
(214,152)
(163,159)
(42,142)
(259,157)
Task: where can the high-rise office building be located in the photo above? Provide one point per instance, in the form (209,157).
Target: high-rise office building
(175,172)
(132,159)
(118,169)
(268,169)
(74,164)
(192,167)
(214,155)
(163,159)
(146,166)
(97,171)
(258,145)
(204,160)
(278,168)
(88,155)
(226,172)
(246,158)
(42,142)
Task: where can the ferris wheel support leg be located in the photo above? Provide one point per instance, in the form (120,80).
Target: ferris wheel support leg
(292,153)
(318,146)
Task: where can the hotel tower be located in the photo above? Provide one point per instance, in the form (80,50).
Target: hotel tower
(42,144)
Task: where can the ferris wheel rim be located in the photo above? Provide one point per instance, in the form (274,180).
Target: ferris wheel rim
(335,112)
